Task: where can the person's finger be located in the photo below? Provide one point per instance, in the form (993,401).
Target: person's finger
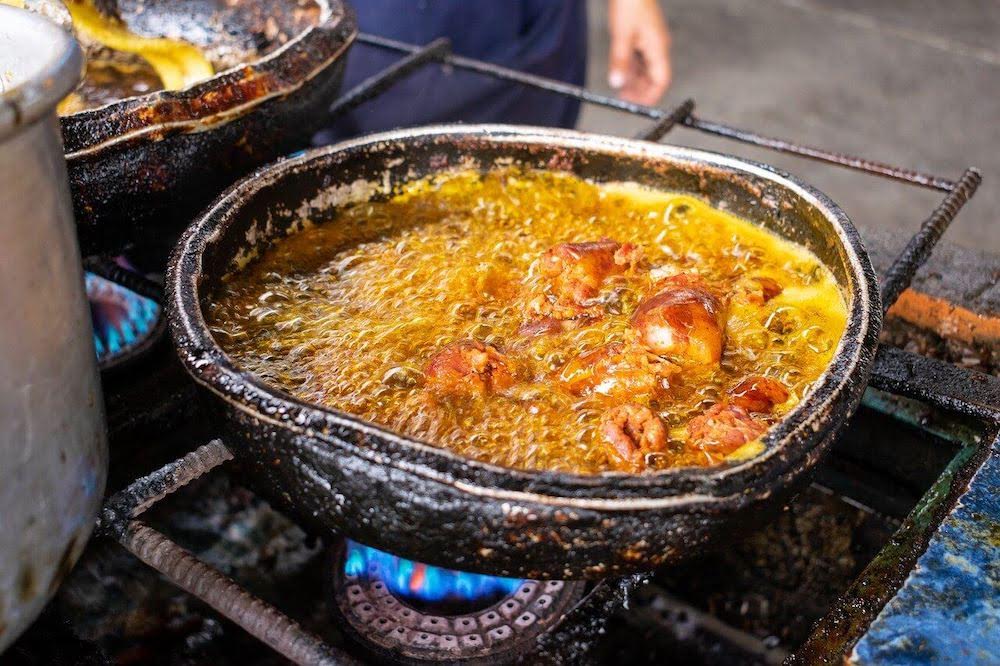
(655,50)
(620,59)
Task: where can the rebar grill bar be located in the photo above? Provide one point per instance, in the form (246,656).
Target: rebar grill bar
(660,128)
(558,87)
(148,490)
(918,250)
(109,270)
(183,569)
(908,176)
(377,84)
(258,618)
(514,76)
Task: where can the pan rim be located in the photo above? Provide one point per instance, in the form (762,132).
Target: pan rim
(207,363)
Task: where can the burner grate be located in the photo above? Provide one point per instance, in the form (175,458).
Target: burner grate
(936,383)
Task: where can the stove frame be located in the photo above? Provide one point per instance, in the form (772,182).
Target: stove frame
(876,607)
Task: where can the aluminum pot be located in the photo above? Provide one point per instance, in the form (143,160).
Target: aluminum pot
(339,473)
(53,453)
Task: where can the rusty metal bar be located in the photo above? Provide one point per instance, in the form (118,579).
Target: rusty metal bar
(146,491)
(918,250)
(109,270)
(378,83)
(659,129)
(938,383)
(260,619)
(909,176)
(857,163)
(506,74)
(183,569)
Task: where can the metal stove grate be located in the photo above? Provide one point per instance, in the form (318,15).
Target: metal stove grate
(897,372)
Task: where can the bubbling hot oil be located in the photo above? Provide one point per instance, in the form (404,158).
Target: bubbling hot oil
(346,313)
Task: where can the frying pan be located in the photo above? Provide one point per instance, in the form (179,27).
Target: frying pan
(338,473)
(141,168)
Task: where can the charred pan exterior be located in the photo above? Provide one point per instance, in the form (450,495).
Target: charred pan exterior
(336,472)
(143,167)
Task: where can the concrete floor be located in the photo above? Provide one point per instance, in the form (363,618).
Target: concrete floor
(912,82)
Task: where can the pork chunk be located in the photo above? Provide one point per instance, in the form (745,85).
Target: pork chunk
(468,367)
(723,428)
(682,320)
(629,432)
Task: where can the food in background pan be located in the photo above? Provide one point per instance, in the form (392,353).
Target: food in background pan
(123,64)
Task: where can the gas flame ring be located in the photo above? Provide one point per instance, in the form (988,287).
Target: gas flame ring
(385,623)
(124,323)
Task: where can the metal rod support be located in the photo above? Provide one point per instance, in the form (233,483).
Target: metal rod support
(919,249)
(909,176)
(857,163)
(660,128)
(378,83)
(146,491)
(506,74)
(183,569)
(260,619)
(109,270)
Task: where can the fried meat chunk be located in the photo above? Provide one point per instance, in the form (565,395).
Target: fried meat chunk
(684,319)
(758,394)
(468,367)
(629,432)
(616,369)
(723,428)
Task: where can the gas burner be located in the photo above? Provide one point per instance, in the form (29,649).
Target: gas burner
(416,613)
(124,322)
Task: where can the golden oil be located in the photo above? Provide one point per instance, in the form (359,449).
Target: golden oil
(346,313)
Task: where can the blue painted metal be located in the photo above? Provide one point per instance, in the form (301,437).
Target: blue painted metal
(948,610)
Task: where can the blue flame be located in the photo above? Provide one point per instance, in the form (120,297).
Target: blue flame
(121,318)
(406,578)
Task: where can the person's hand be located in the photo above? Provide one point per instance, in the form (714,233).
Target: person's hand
(639,61)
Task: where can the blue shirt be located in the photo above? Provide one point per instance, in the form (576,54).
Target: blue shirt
(544,37)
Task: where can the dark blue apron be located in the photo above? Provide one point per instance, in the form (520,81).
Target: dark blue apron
(545,37)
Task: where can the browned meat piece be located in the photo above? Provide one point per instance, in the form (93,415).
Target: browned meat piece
(468,367)
(768,288)
(546,326)
(723,428)
(684,319)
(758,394)
(576,270)
(616,369)
(629,433)
(759,289)
(574,274)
